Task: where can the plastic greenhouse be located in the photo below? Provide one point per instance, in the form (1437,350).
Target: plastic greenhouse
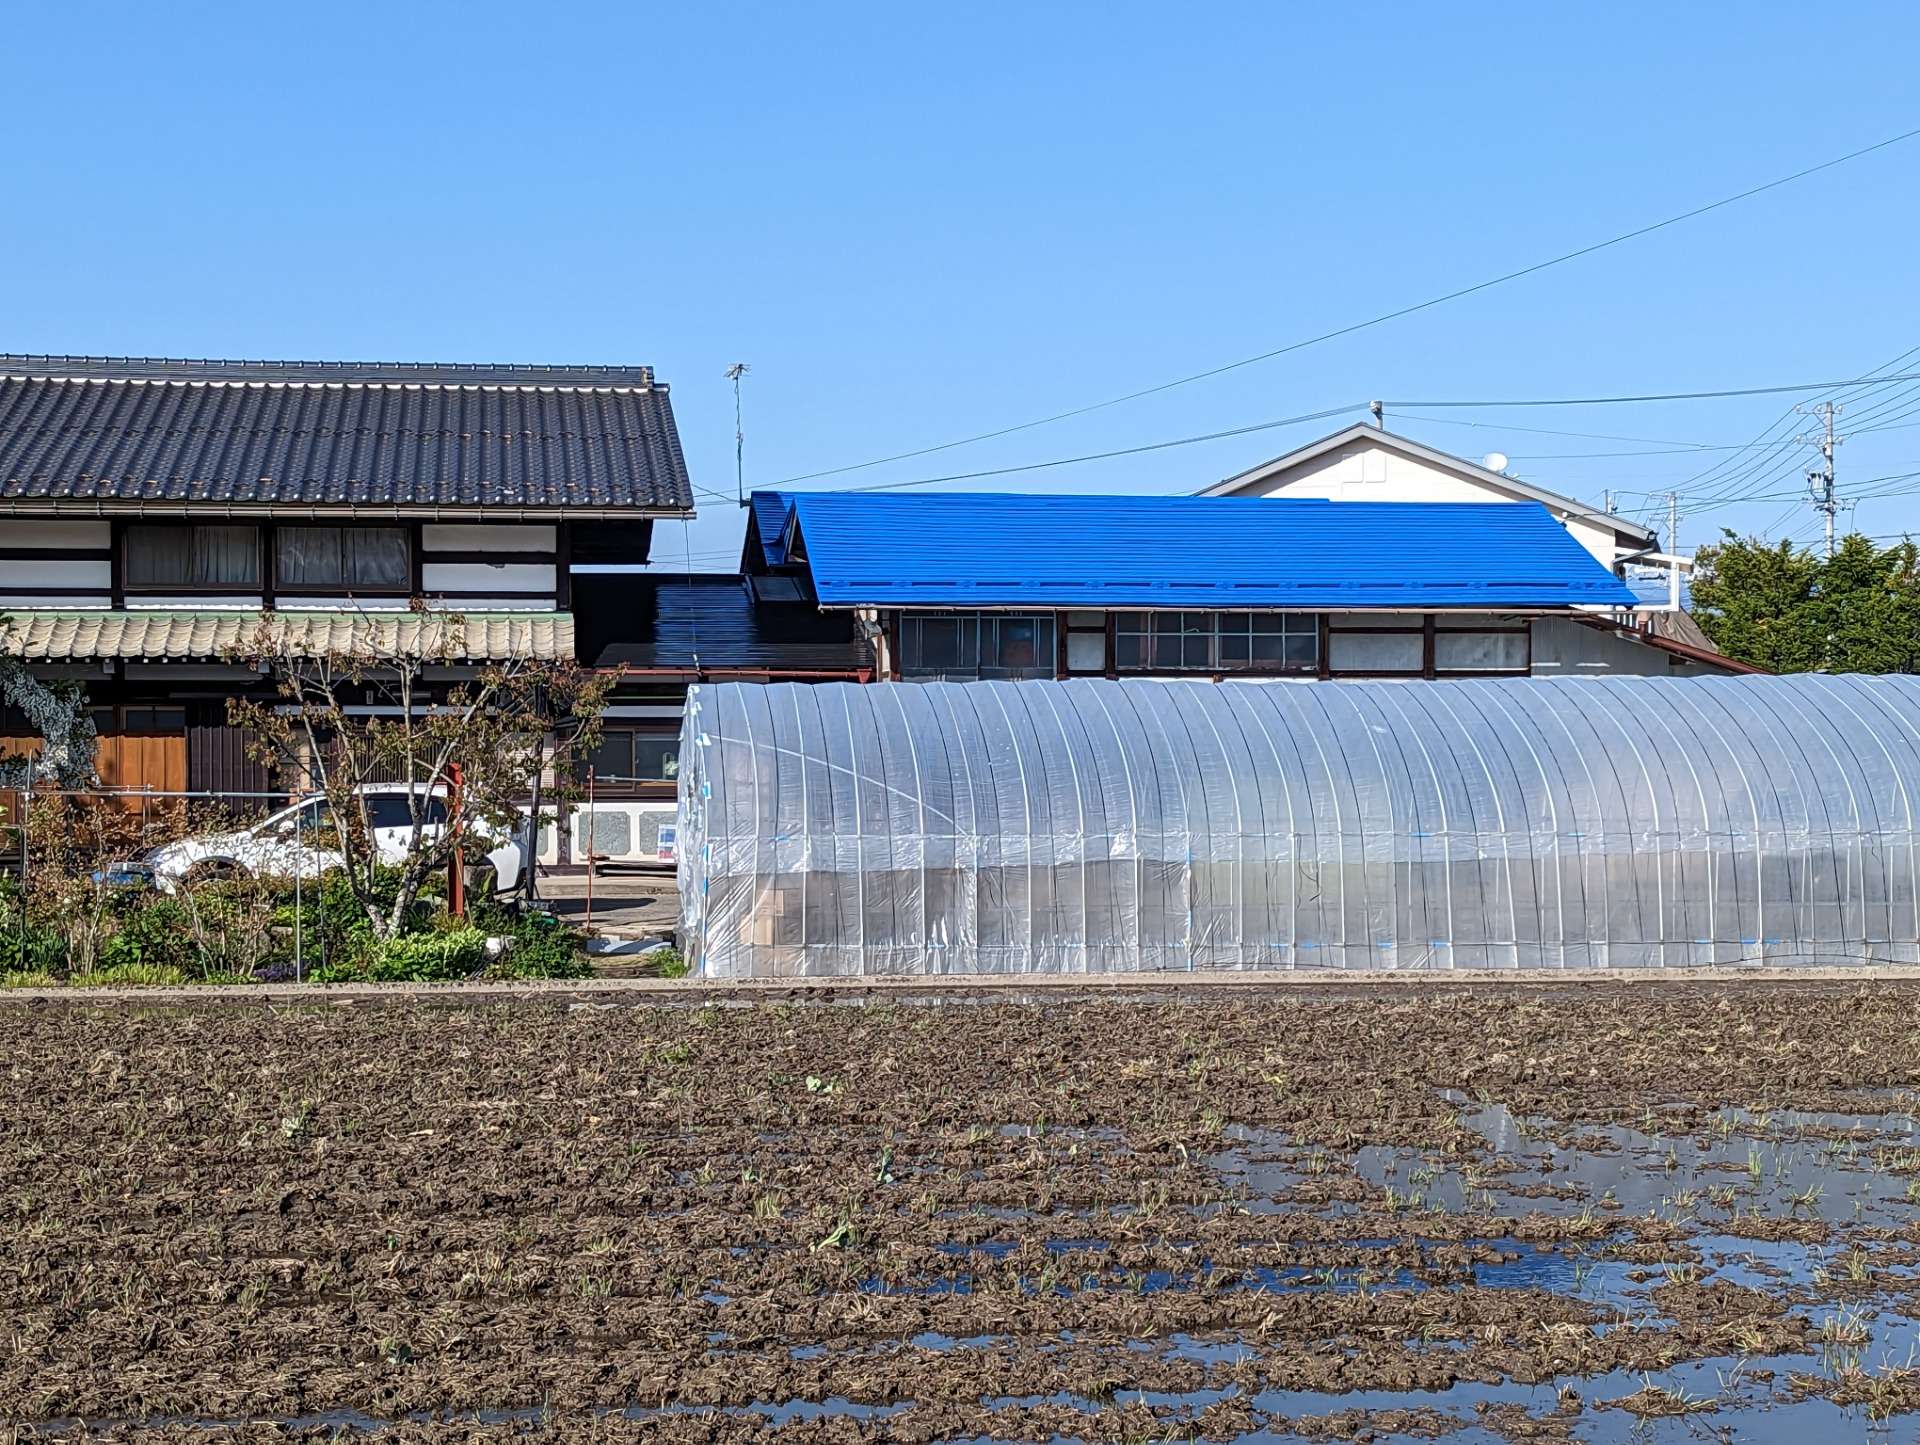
(1088,826)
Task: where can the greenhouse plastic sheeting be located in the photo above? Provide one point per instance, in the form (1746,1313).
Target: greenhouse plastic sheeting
(1089,826)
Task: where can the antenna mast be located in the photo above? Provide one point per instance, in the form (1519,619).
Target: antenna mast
(734,373)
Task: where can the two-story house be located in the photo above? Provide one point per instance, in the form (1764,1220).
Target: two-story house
(153,511)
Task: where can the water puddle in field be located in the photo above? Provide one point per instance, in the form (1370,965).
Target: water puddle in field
(1815,1211)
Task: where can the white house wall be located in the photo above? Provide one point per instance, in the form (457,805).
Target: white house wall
(47,563)
(1565,648)
(1365,472)
(459,570)
(480,537)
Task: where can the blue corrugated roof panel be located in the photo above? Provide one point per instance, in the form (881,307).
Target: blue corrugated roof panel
(770,511)
(991,550)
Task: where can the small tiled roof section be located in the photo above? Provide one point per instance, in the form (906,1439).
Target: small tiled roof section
(66,636)
(258,433)
(974,549)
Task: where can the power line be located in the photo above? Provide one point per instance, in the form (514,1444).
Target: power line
(1744,473)
(1121,452)
(1666,395)
(1372,321)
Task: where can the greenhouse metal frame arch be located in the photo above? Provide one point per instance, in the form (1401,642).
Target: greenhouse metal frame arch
(1098,826)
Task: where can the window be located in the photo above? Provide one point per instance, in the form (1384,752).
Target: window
(1375,652)
(362,559)
(1216,642)
(219,558)
(1086,642)
(633,757)
(1506,651)
(140,719)
(964,646)
(390,810)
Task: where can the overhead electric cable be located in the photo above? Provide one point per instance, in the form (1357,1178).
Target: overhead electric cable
(1371,321)
(1102,456)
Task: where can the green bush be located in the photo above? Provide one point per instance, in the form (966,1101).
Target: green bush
(152,932)
(541,946)
(27,947)
(429,957)
(668,962)
(130,975)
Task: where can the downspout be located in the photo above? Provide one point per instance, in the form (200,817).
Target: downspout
(875,633)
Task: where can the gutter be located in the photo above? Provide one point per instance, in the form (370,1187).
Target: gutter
(398,511)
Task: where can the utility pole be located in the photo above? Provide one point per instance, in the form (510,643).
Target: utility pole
(734,373)
(1673,551)
(1820,478)
(1379,410)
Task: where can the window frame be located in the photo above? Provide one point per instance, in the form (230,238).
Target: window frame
(123,560)
(978,637)
(1151,626)
(404,588)
(633,787)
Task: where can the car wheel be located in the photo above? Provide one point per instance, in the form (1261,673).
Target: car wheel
(215,870)
(482,882)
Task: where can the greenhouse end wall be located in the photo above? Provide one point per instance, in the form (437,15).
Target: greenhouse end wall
(1095,826)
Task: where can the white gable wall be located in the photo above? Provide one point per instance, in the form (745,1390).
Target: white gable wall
(1364,471)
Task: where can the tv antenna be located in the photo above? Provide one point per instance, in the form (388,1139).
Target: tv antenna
(734,373)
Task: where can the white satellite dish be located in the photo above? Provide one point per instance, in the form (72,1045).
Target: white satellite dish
(1494,461)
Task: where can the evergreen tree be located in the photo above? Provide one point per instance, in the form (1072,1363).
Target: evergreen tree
(1790,610)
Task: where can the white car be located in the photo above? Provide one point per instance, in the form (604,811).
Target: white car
(301,841)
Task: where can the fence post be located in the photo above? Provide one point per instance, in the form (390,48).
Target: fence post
(457,883)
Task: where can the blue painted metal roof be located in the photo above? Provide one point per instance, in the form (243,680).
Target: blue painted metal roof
(770,511)
(991,550)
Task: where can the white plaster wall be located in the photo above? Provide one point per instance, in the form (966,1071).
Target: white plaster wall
(438,577)
(1364,472)
(48,532)
(24,575)
(480,537)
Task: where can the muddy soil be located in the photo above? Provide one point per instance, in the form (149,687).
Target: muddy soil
(1594,1215)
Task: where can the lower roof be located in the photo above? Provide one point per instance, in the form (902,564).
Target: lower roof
(78,636)
(998,550)
(710,623)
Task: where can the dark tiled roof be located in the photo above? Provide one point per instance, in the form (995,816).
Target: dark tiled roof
(657,619)
(337,434)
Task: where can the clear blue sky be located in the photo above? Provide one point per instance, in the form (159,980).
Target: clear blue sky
(917,225)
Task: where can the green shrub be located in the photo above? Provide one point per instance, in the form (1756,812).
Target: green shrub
(27,947)
(130,975)
(150,931)
(668,962)
(410,958)
(541,946)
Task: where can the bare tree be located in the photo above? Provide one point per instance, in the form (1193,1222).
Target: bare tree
(351,717)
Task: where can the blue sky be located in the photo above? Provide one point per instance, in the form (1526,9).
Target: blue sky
(916,225)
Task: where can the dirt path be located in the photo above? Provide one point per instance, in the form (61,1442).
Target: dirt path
(1062,987)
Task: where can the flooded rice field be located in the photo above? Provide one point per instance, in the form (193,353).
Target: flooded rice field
(1668,1214)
